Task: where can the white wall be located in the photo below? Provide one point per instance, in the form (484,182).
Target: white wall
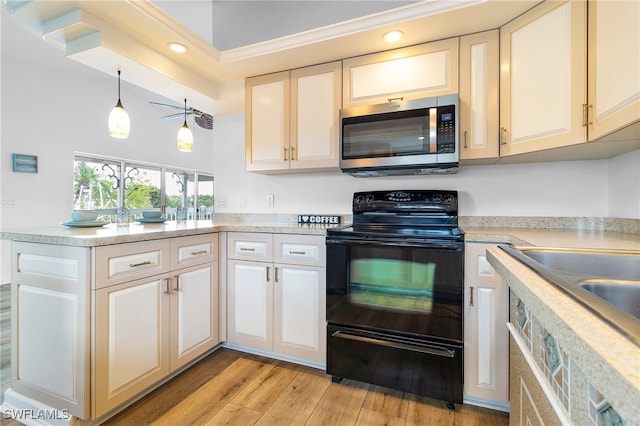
(55,111)
(576,188)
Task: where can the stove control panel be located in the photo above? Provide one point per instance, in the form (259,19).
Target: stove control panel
(403,201)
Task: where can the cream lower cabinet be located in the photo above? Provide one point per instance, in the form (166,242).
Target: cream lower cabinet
(50,326)
(149,327)
(486,345)
(276,294)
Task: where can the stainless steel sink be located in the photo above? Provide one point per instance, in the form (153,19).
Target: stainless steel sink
(590,263)
(607,282)
(623,295)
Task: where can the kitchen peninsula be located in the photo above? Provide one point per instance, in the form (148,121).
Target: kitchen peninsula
(199,251)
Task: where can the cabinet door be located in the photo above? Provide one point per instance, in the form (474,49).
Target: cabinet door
(50,325)
(267,122)
(479,100)
(415,72)
(614,65)
(543,78)
(299,312)
(316,98)
(194,319)
(250,306)
(131,340)
(486,346)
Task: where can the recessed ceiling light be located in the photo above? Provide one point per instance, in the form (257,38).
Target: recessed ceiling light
(393,36)
(178,47)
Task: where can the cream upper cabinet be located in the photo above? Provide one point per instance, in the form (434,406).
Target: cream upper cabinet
(292,119)
(315,114)
(543,78)
(415,72)
(267,122)
(479,98)
(614,66)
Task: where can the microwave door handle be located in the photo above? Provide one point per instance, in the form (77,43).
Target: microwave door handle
(433,130)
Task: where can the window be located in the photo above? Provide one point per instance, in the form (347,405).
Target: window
(106,184)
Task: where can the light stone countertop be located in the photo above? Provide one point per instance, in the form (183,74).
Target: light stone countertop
(134,232)
(608,359)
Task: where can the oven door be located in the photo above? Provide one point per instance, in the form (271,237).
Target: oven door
(410,288)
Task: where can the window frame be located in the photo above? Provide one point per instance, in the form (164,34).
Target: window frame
(122,178)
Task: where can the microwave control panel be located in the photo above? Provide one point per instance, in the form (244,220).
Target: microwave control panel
(446,130)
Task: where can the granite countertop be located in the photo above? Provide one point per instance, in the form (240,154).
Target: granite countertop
(134,232)
(609,360)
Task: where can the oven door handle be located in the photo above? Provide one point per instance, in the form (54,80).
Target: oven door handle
(416,347)
(432,244)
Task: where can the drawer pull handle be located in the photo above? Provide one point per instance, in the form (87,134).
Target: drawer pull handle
(177,277)
(268,278)
(276,274)
(135,265)
(247,249)
(167,280)
(470,295)
(195,253)
(297,252)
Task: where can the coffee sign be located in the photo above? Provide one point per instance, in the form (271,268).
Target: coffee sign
(319,219)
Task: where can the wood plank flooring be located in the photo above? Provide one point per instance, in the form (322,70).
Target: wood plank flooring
(234,388)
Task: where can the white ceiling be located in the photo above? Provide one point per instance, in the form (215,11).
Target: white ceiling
(256,37)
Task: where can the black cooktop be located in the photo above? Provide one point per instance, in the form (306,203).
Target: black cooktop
(416,214)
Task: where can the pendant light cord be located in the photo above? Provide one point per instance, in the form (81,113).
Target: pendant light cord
(185,111)
(118,86)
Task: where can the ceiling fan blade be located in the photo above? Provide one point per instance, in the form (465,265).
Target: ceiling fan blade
(204,120)
(174,116)
(166,105)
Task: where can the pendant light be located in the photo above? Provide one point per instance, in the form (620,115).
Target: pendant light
(185,137)
(119,124)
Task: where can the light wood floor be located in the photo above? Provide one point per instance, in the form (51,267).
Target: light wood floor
(233,388)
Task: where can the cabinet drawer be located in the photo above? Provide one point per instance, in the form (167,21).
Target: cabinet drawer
(125,262)
(254,246)
(186,251)
(299,249)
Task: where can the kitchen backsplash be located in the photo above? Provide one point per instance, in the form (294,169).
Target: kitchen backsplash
(629,226)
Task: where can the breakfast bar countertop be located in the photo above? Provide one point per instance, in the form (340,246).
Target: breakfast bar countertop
(113,234)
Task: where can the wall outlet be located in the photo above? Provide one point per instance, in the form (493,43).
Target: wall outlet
(270,200)
(221,202)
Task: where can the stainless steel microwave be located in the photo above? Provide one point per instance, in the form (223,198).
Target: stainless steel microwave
(418,136)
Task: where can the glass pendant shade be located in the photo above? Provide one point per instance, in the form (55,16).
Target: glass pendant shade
(119,124)
(185,137)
